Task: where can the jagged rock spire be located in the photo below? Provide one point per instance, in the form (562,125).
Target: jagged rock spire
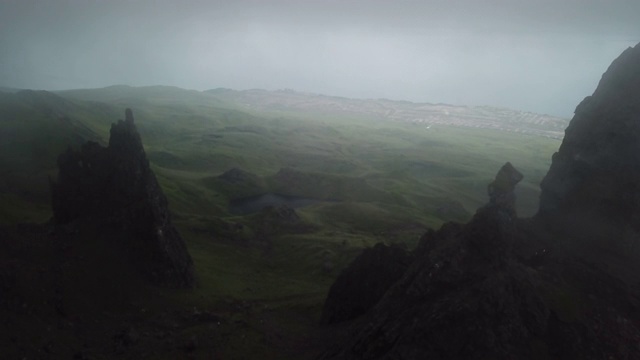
(128,115)
(116,183)
(484,291)
(501,190)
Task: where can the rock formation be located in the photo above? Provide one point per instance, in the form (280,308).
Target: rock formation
(116,183)
(592,190)
(468,294)
(501,287)
(464,296)
(361,285)
(501,189)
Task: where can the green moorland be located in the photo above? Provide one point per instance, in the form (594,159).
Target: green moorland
(366,181)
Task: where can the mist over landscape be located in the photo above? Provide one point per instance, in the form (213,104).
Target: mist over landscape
(539,56)
(320,180)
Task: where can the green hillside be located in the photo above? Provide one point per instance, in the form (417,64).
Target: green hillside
(364,180)
(372,171)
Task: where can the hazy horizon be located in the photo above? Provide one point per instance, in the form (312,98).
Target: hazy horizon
(539,56)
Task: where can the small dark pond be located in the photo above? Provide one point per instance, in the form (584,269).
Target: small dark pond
(254,204)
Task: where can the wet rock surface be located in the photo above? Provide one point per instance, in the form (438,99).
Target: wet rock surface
(501,190)
(116,184)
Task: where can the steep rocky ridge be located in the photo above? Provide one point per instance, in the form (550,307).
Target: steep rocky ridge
(495,288)
(592,190)
(500,287)
(117,184)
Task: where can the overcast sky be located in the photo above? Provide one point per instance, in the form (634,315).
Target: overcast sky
(536,55)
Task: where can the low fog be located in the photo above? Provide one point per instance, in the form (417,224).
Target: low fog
(533,55)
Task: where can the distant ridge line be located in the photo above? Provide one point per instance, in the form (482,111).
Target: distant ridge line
(427,114)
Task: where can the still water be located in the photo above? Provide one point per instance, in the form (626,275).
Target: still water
(254,204)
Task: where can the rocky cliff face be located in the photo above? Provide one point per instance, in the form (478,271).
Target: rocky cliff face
(563,285)
(592,190)
(117,184)
(490,290)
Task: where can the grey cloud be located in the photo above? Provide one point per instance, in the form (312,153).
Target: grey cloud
(533,55)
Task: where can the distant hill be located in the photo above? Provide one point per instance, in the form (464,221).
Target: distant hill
(403,111)
(36,127)
(8,89)
(427,114)
(127,95)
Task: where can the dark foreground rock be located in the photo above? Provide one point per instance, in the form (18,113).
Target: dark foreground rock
(470,293)
(501,190)
(361,285)
(117,185)
(563,285)
(504,288)
(592,190)
(455,302)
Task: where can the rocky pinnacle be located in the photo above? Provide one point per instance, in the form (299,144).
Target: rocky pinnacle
(116,184)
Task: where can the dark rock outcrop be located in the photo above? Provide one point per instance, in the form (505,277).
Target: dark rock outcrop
(501,287)
(501,189)
(116,183)
(464,296)
(592,190)
(361,285)
(467,294)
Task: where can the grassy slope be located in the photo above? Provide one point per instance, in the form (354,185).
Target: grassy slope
(390,179)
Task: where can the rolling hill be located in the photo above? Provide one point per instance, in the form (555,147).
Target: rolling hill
(485,117)
(352,178)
